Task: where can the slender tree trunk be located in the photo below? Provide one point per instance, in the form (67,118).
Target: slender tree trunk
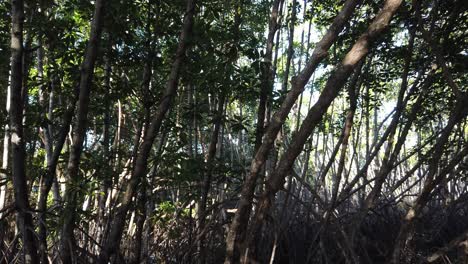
(336,81)
(106,178)
(458,114)
(341,139)
(353,91)
(400,105)
(237,231)
(389,156)
(388,161)
(4,174)
(212,149)
(206,184)
(48,146)
(48,179)
(141,218)
(111,246)
(290,52)
(140,210)
(298,118)
(267,78)
(67,242)
(20,187)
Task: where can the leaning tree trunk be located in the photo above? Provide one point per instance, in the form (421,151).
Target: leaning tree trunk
(52,154)
(237,231)
(336,81)
(432,181)
(87,73)
(111,246)
(20,187)
(389,154)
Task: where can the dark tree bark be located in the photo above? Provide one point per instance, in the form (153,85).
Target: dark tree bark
(400,106)
(432,179)
(237,231)
(335,82)
(20,186)
(290,52)
(48,179)
(267,74)
(106,178)
(140,210)
(344,133)
(140,213)
(391,154)
(388,161)
(206,184)
(215,138)
(353,91)
(111,246)
(86,78)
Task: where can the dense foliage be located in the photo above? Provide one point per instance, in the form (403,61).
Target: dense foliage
(236,131)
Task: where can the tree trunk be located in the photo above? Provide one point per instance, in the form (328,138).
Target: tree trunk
(20,187)
(206,184)
(458,114)
(390,156)
(267,76)
(336,81)
(237,231)
(290,52)
(111,246)
(86,78)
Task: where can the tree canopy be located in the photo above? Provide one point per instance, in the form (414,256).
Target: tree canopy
(236,131)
